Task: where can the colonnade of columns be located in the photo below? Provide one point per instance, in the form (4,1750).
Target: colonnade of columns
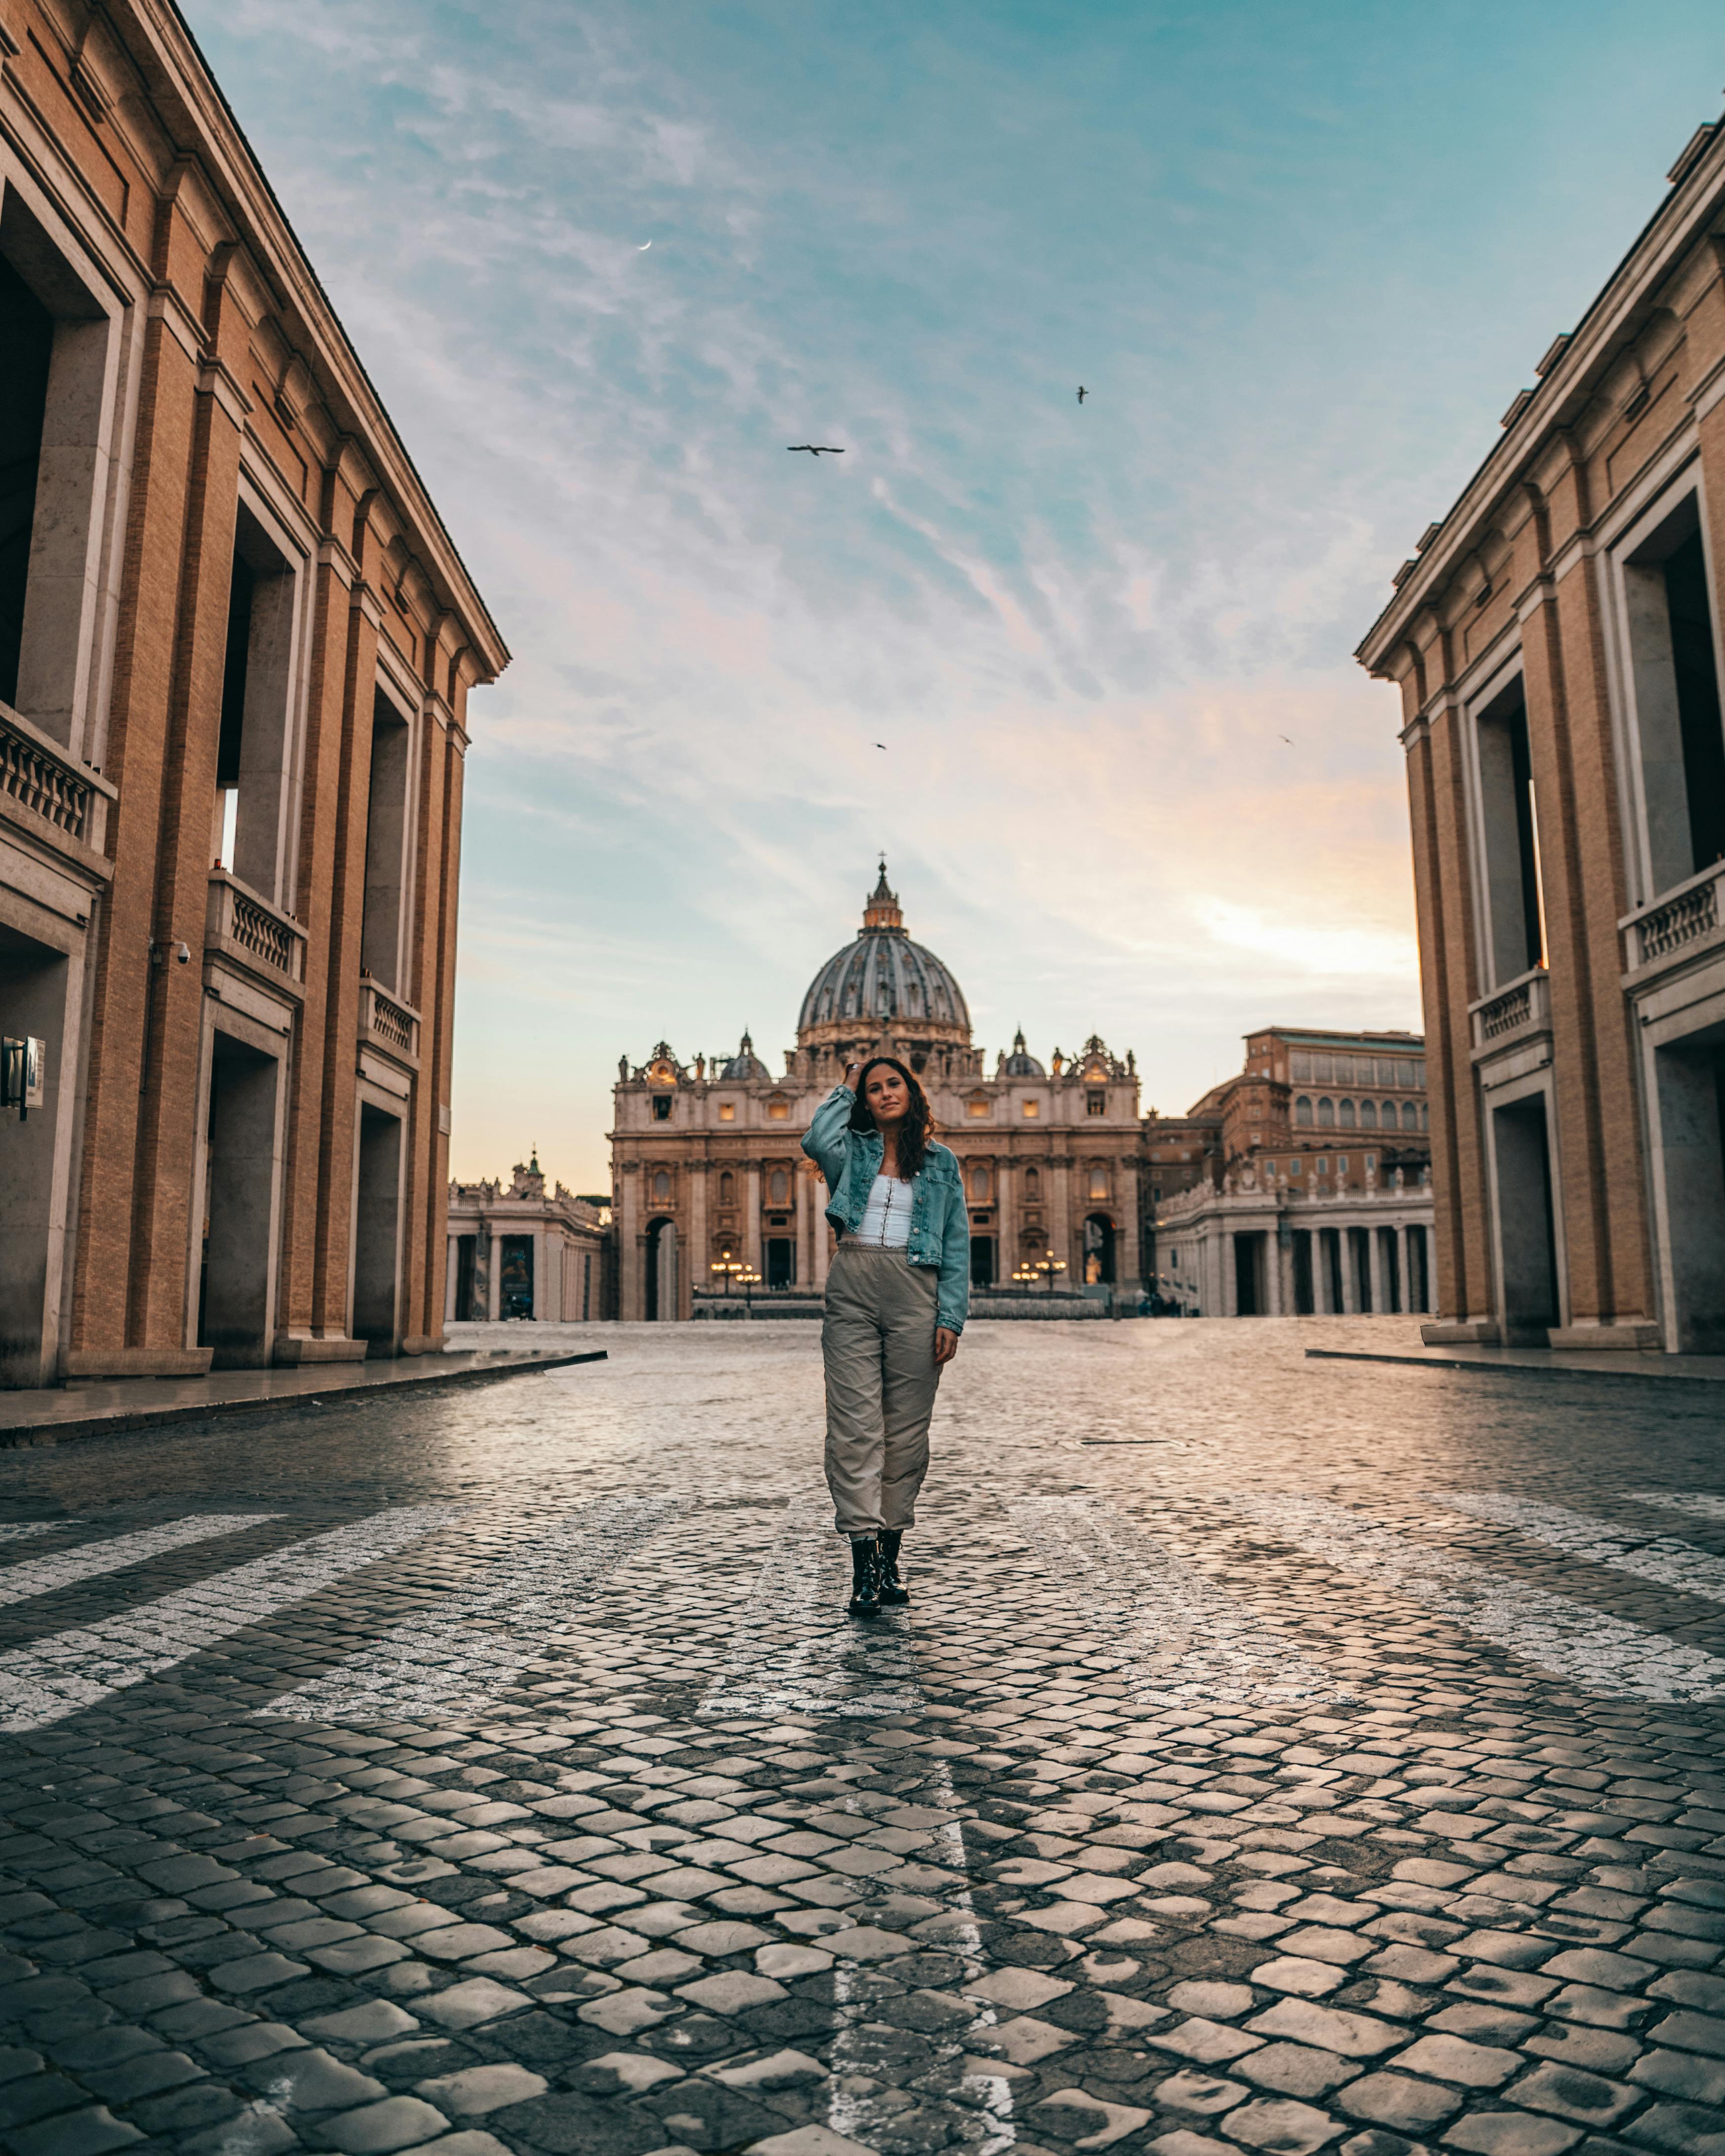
(1359,1258)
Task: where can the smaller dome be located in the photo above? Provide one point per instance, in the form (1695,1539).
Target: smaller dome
(745,1064)
(1019,1063)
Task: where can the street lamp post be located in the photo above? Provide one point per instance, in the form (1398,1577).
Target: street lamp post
(751,1281)
(729,1267)
(1049,1265)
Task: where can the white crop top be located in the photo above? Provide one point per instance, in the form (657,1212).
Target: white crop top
(886,1218)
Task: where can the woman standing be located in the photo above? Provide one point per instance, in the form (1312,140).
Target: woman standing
(896,1299)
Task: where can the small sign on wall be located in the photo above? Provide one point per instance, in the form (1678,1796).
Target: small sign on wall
(24,1064)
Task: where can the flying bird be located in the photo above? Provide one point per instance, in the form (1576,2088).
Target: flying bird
(880,744)
(1082,392)
(814,448)
(1284,738)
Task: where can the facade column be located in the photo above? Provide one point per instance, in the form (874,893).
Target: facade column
(1375,1244)
(804,1173)
(1273,1303)
(449,1273)
(752,1221)
(1403,1275)
(1350,1286)
(1323,1289)
(701,1241)
(1006,1220)
(631,1304)
(1060,1215)
(1128,1262)
(823,1236)
(494,1274)
(1229,1305)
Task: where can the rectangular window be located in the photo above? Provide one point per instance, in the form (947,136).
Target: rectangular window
(727,1111)
(977,1107)
(249,827)
(1301,1067)
(54,413)
(1032,1108)
(1097,1104)
(1293,1168)
(26,349)
(661,1107)
(1675,671)
(1515,905)
(382,925)
(779,1110)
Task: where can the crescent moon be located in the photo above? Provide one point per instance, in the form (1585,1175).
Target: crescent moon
(642,250)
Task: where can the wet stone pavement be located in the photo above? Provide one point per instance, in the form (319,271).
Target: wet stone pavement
(1276,1757)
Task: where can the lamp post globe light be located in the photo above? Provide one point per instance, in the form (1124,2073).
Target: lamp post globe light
(1048,1266)
(728,1265)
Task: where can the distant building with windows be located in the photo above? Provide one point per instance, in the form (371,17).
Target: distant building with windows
(1555,640)
(709,1175)
(521,1251)
(1301,1184)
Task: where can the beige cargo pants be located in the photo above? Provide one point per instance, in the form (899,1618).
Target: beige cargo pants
(877,1341)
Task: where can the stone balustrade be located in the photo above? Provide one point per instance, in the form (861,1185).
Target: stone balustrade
(1681,918)
(386,1024)
(248,930)
(1519,1007)
(39,777)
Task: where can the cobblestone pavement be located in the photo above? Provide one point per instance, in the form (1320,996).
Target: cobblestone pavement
(1276,1757)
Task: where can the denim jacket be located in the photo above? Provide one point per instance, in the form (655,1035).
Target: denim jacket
(940,1225)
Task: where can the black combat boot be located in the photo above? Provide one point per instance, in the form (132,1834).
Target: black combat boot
(893,1591)
(865,1578)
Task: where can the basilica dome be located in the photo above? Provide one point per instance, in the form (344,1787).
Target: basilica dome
(883,985)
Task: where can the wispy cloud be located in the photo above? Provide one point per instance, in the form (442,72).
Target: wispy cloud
(1083,632)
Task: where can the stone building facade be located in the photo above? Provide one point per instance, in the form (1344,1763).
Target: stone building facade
(1312,1115)
(707,1167)
(521,1250)
(1258,1246)
(1556,640)
(236,646)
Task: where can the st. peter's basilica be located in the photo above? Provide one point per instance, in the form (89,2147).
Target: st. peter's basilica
(707,1168)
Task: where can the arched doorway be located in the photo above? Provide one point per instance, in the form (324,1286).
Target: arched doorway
(660,1300)
(1098,1250)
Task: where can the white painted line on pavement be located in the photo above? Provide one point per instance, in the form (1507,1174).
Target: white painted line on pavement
(1701,1501)
(473,1644)
(42,1575)
(1189,1637)
(1661,1558)
(1605,1654)
(796,1652)
(14,1530)
(865,2102)
(57,1676)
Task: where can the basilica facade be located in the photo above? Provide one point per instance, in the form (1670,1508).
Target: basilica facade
(710,1185)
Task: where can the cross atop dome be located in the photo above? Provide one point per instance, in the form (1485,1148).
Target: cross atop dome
(881,910)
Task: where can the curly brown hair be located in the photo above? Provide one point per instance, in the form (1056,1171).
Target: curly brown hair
(917,1129)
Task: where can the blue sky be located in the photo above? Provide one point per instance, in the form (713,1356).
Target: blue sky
(1301,256)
